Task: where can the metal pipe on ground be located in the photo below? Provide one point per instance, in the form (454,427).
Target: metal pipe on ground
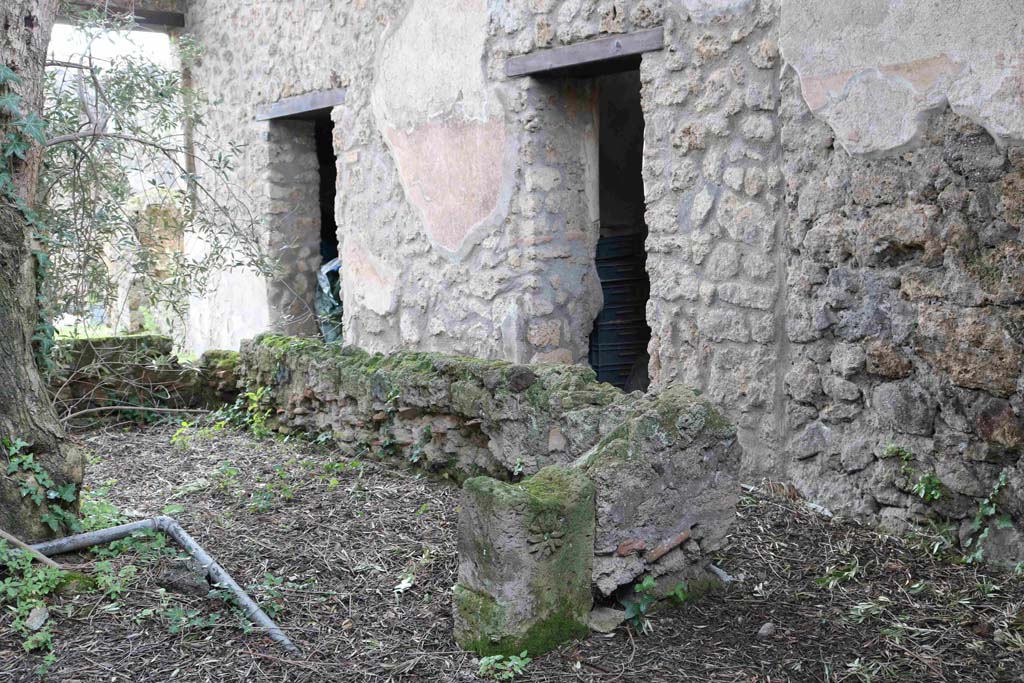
(170,526)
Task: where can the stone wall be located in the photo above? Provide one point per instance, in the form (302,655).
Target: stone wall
(663,465)
(903,164)
(834,258)
(464,226)
(714,194)
(455,417)
(904,317)
(136,370)
(832,197)
(254,53)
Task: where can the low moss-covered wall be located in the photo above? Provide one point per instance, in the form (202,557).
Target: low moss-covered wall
(605,486)
(453,416)
(665,464)
(138,370)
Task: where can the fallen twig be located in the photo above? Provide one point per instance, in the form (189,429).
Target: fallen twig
(38,556)
(145,409)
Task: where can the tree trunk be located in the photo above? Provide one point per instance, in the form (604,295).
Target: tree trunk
(26,413)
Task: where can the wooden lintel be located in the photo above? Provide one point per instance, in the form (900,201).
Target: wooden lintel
(143,17)
(301,105)
(590,56)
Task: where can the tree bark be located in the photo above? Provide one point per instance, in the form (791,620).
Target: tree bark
(26,412)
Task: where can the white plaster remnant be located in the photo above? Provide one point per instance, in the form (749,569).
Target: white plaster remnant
(707,11)
(874,70)
(429,64)
(366,279)
(443,123)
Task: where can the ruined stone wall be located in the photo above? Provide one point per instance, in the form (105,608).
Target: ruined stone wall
(664,466)
(466,225)
(904,316)
(463,225)
(92,374)
(834,253)
(903,162)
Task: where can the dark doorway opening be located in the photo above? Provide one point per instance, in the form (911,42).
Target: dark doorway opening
(618,342)
(306,296)
(327,163)
(327,302)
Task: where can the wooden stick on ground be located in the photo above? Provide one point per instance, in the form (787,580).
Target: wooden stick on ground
(39,557)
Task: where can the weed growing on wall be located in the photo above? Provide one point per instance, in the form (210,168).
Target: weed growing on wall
(927,486)
(941,537)
(988,509)
(637,608)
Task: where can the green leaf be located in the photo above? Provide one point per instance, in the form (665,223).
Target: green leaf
(15,148)
(66,493)
(12,103)
(32,126)
(44,479)
(7,75)
(15,447)
(173,509)
(51,521)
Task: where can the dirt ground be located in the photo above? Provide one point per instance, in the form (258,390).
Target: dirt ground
(356,562)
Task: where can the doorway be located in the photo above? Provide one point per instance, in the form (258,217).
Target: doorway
(327,166)
(327,301)
(304,297)
(619,339)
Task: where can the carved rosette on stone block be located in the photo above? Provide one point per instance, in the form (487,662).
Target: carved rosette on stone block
(666,482)
(525,562)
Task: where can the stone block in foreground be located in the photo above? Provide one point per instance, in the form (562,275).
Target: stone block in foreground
(526,555)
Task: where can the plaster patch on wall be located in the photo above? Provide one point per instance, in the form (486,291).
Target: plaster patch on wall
(443,123)
(874,71)
(366,279)
(706,11)
(452,172)
(429,65)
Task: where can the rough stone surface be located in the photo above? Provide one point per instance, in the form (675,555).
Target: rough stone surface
(911,303)
(666,489)
(525,556)
(454,416)
(831,247)
(665,464)
(605,619)
(37,618)
(138,370)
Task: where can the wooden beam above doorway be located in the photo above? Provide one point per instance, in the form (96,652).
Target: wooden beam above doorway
(591,58)
(301,106)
